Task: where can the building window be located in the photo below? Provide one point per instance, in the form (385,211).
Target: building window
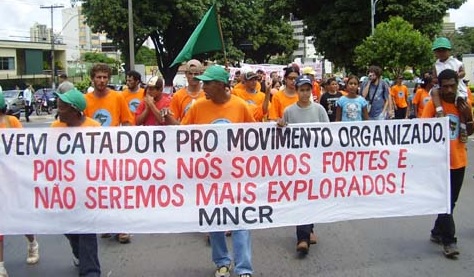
(7,63)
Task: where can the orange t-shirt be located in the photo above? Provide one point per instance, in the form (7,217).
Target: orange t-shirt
(110,110)
(88,122)
(254,100)
(458,153)
(181,101)
(316,92)
(8,121)
(133,99)
(422,97)
(280,101)
(399,95)
(205,111)
(240,85)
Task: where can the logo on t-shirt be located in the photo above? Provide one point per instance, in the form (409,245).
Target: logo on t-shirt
(133,104)
(251,102)
(103,117)
(453,126)
(221,121)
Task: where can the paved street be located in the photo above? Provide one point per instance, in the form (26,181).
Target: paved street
(376,247)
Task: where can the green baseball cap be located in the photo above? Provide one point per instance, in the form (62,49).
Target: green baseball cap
(2,101)
(74,98)
(441,42)
(214,73)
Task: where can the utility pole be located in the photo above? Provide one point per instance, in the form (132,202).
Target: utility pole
(52,7)
(131,38)
(373,5)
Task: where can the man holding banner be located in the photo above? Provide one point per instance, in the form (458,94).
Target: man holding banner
(221,107)
(444,230)
(71,104)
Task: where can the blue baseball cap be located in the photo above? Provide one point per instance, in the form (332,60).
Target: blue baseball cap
(302,80)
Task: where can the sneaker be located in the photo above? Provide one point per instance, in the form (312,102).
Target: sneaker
(302,247)
(3,272)
(75,261)
(450,250)
(223,271)
(123,238)
(33,253)
(435,238)
(313,239)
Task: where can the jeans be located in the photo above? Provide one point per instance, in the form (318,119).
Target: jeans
(444,225)
(242,246)
(303,232)
(84,247)
(28,112)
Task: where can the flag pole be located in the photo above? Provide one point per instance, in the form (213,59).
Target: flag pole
(222,38)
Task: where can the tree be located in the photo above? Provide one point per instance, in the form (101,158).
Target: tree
(169,23)
(462,41)
(394,46)
(146,56)
(93,57)
(340,25)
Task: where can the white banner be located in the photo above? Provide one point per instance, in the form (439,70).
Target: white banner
(219,177)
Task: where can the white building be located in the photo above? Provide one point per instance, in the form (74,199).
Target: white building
(40,33)
(78,36)
(306,48)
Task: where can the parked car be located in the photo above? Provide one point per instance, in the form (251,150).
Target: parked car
(116,87)
(13,110)
(14,99)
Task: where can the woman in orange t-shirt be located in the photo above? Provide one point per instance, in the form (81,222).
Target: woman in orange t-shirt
(285,97)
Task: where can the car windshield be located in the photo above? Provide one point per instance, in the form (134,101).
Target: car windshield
(10,93)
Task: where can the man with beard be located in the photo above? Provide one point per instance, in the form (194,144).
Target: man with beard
(377,94)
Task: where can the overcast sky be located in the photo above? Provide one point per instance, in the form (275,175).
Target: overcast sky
(17,16)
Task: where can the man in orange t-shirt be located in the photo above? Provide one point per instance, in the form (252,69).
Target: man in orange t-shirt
(133,94)
(444,229)
(108,107)
(258,101)
(399,94)
(184,98)
(71,104)
(221,107)
(104,105)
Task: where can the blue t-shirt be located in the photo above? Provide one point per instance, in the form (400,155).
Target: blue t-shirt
(351,108)
(381,91)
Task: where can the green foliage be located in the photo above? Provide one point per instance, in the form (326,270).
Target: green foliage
(146,56)
(462,41)
(169,23)
(339,26)
(407,75)
(394,46)
(84,84)
(93,57)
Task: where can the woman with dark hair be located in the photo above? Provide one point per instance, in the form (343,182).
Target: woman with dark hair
(422,95)
(287,96)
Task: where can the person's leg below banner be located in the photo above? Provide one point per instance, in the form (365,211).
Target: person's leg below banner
(89,264)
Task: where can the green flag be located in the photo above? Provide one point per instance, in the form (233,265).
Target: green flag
(205,38)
